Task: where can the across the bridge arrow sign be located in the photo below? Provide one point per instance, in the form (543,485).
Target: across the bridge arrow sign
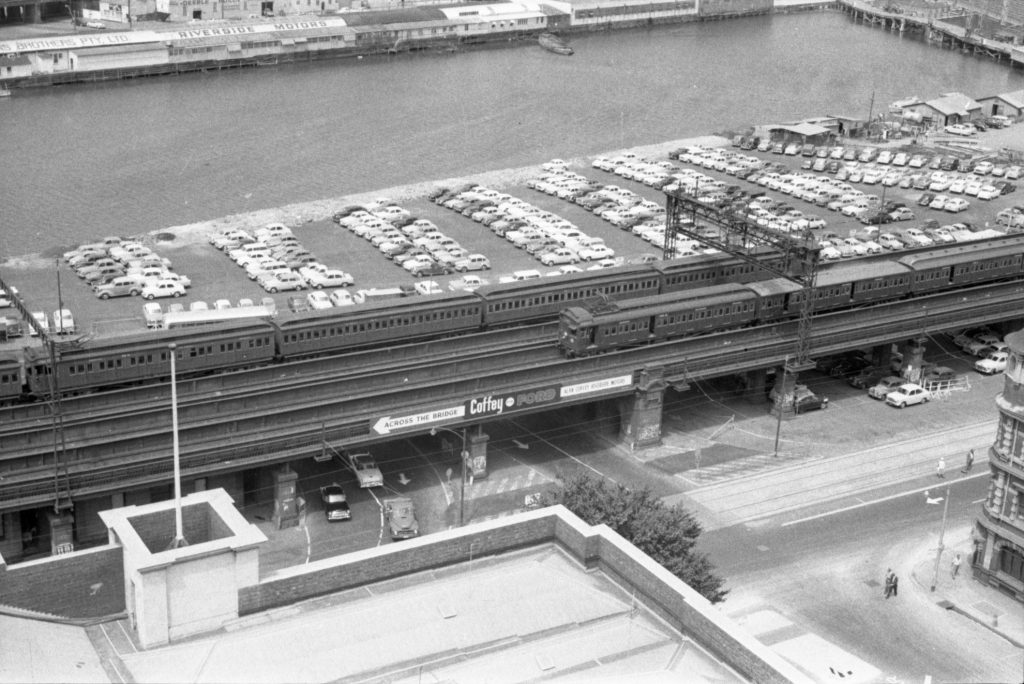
(387,424)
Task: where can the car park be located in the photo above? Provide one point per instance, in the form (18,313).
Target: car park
(994,362)
(908,394)
(335,503)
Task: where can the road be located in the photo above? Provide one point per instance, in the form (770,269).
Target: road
(825,575)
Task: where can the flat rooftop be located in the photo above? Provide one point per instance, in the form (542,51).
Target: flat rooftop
(520,616)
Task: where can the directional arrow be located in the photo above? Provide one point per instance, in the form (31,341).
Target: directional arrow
(385,425)
(929,500)
(403,479)
(521,445)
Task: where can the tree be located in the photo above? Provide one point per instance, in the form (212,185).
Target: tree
(668,534)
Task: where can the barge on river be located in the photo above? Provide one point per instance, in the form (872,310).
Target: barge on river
(552,43)
(118,55)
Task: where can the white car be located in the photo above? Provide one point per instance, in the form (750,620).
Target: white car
(908,394)
(956,204)
(467,283)
(163,288)
(222,304)
(199,306)
(329,278)
(283,280)
(153,314)
(983,168)
(366,470)
(988,192)
(559,255)
(63,322)
(961,129)
(428,287)
(341,298)
(473,262)
(42,321)
(318,301)
(995,362)
(596,252)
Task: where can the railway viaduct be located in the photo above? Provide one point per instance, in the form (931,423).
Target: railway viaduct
(232,425)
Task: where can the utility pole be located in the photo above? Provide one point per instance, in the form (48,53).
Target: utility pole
(942,533)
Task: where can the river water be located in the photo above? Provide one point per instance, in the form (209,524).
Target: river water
(125,158)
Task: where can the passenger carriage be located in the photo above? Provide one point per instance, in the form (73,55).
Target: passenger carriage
(701,270)
(966,264)
(391,321)
(655,318)
(131,359)
(11,378)
(545,298)
(853,283)
(773,297)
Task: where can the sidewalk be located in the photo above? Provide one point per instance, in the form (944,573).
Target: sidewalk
(972,600)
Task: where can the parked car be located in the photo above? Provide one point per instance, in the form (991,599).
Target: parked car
(341,298)
(881,389)
(163,288)
(995,362)
(473,262)
(908,394)
(282,280)
(956,204)
(63,322)
(123,286)
(153,314)
(961,129)
(331,277)
(335,503)
(298,304)
(318,300)
(42,322)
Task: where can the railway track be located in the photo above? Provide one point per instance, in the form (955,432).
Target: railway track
(247,402)
(299,428)
(20,418)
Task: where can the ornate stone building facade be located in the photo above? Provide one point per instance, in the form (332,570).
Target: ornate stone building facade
(999,531)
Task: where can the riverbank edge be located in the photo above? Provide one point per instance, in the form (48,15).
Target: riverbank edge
(314,211)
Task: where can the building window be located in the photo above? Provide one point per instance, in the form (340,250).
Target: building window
(1011,561)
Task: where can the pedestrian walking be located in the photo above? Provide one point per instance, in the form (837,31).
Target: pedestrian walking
(940,471)
(969,463)
(888,582)
(895,585)
(956,565)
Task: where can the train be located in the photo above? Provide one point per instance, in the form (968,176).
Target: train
(596,311)
(97,364)
(844,285)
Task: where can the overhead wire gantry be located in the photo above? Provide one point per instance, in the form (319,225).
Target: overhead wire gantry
(725,226)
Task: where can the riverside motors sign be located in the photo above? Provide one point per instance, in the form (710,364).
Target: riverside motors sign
(159,37)
(499,404)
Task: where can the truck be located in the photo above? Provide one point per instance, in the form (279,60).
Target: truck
(401,517)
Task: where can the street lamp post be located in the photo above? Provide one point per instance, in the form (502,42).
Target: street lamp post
(942,533)
(464,457)
(179,537)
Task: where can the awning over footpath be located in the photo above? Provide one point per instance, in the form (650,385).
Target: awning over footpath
(806,130)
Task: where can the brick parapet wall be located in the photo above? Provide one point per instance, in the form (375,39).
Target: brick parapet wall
(83,584)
